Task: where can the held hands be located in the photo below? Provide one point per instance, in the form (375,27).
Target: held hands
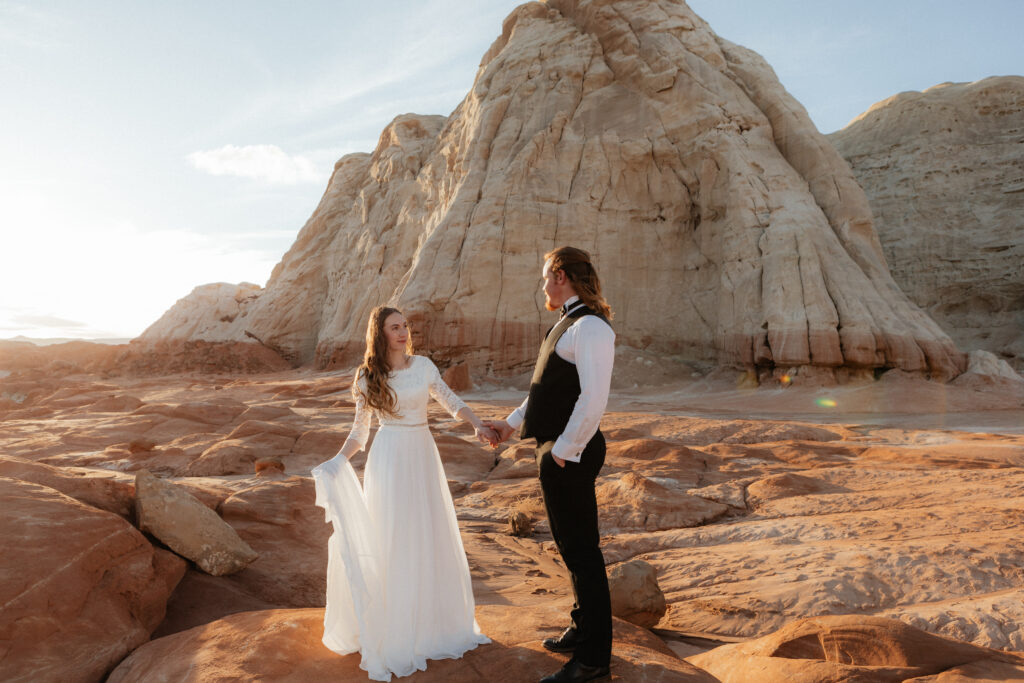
(487,435)
(501,429)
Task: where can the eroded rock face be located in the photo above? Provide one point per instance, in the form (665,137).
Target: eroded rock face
(80,588)
(944,173)
(203,313)
(851,648)
(673,155)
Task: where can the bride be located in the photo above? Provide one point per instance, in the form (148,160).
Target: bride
(398,586)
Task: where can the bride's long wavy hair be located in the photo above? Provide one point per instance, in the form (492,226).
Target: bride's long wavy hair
(375,367)
(576,265)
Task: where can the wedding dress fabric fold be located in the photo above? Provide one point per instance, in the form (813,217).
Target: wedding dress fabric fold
(398,585)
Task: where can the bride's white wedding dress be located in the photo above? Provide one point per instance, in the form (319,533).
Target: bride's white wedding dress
(398,586)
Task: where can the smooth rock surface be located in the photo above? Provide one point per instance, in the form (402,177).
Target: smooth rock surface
(102,490)
(80,588)
(284,645)
(279,520)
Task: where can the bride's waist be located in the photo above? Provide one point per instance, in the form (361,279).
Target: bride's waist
(403,426)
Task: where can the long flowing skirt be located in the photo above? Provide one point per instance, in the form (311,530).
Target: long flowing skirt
(398,586)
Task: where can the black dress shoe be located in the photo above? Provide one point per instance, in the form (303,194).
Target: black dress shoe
(577,672)
(566,642)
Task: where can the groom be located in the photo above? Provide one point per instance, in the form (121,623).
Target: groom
(568,395)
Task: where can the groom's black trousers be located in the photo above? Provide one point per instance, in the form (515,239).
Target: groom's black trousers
(571,504)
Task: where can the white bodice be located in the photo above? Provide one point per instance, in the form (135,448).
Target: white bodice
(413,387)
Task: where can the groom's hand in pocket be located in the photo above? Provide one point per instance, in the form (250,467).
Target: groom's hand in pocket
(545,449)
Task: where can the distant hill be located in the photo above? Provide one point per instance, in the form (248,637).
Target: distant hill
(61,340)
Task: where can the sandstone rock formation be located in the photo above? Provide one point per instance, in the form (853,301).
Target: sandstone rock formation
(280,521)
(284,645)
(913,512)
(853,648)
(100,490)
(80,588)
(188,527)
(203,313)
(943,170)
(636,596)
(632,501)
(725,227)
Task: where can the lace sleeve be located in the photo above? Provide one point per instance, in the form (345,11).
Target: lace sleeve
(360,432)
(442,393)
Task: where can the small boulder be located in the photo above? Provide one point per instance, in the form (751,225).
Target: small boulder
(636,596)
(268,467)
(188,527)
(520,524)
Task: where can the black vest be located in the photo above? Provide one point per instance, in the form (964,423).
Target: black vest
(555,386)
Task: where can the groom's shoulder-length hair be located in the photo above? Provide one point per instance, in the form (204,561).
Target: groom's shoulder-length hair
(578,267)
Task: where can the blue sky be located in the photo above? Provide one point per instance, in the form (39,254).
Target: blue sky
(147,148)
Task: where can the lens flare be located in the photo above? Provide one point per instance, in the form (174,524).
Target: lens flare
(826,402)
(786,379)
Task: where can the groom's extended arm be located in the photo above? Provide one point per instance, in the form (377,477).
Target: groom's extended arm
(509,425)
(594,351)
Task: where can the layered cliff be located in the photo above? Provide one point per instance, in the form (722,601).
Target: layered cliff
(943,170)
(724,226)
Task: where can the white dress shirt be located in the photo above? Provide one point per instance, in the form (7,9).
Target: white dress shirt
(589,344)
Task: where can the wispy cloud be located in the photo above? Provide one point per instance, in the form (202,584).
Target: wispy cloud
(45,321)
(268,163)
(15,322)
(392,55)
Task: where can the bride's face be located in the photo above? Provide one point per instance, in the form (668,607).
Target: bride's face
(396,331)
